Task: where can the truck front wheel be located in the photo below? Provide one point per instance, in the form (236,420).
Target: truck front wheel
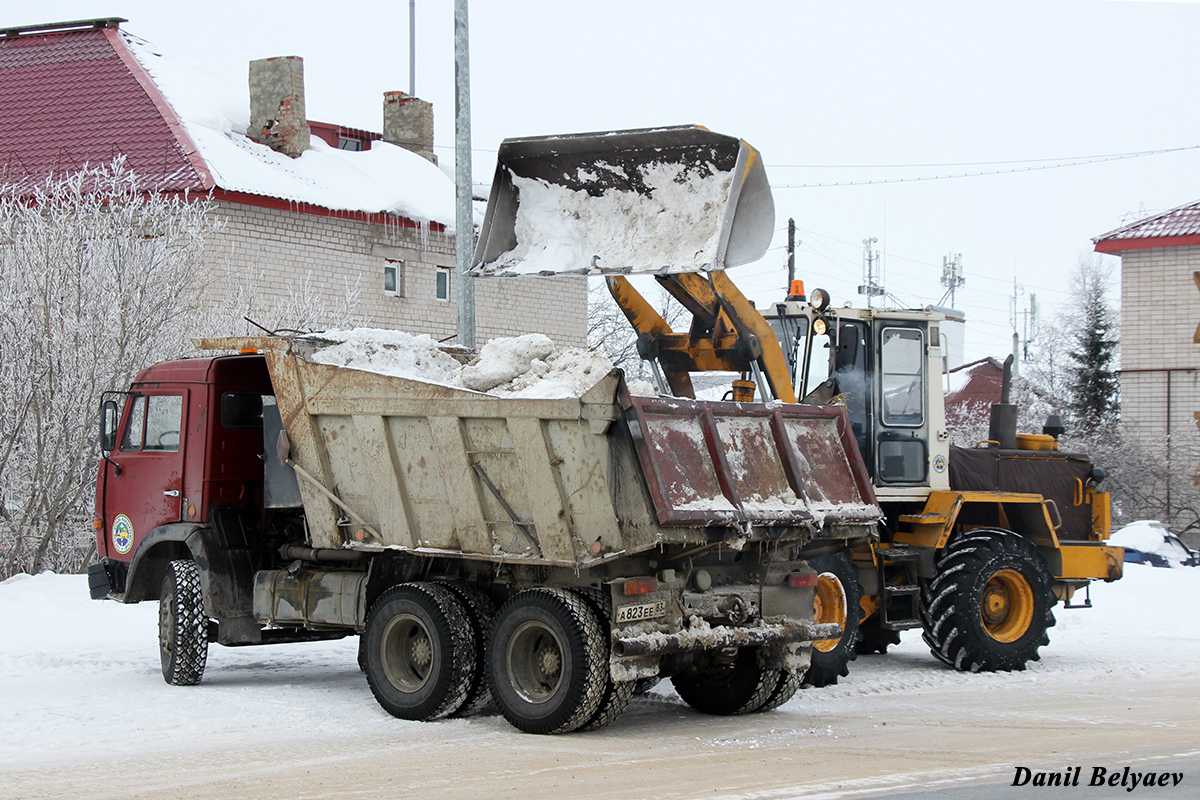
(989,603)
(419,651)
(548,661)
(182,625)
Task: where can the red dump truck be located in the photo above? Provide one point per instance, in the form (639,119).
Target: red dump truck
(549,554)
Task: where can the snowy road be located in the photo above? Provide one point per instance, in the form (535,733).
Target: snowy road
(85,713)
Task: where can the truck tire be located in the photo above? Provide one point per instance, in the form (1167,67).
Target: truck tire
(785,689)
(616,696)
(420,653)
(989,603)
(548,661)
(182,625)
(737,684)
(838,597)
(874,638)
(481,613)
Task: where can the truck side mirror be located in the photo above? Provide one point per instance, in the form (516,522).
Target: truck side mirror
(110,415)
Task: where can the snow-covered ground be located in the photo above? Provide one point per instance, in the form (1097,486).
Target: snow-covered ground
(83,695)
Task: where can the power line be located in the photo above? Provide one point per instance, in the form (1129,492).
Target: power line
(1058,165)
(1133,154)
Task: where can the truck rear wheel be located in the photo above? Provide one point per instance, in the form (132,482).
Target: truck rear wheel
(837,600)
(548,661)
(736,684)
(617,695)
(785,689)
(420,652)
(481,613)
(989,603)
(182,625)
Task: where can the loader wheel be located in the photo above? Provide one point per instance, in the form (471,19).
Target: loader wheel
(736,684)
(989,603)
(182,625)
(481,613)
(837,600)
(874,638)
(420,652)
(548,661)
(617,695)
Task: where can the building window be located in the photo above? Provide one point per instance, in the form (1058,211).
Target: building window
(347,143)
(443,283)
(393,276)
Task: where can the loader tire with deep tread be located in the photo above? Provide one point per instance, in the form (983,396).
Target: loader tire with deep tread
(420,651)
(874,638)
(481,613)
(989,604)
(548,661)
(737,685)
(182,625)
(838,600)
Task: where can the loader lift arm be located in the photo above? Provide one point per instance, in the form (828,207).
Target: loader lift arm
(727,333)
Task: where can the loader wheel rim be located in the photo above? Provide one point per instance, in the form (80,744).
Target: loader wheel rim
(829,605)
(535,662)
(407,653)
(1006,606)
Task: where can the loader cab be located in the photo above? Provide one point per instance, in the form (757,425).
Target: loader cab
(885,367)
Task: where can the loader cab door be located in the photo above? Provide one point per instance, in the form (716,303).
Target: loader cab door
(143,475)
(901,436)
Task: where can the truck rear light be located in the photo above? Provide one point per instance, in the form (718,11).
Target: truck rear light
(798,580)
(645,586)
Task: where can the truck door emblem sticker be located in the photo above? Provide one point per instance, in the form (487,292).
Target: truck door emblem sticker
(122,534)
(939,464)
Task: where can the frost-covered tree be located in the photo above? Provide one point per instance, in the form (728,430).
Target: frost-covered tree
(610,333)
(98,278)
(1093,385)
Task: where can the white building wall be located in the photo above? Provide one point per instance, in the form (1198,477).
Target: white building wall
(284,251)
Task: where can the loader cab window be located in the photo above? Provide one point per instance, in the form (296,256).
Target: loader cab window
(154,424)
(903,376)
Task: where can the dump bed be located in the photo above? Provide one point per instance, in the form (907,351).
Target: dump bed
(387,462)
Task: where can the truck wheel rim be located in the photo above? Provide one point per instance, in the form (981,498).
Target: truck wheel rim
(535,662)
(407,653)
(829,605)
(1006,607)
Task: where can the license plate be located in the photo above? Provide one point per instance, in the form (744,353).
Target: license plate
(640,611)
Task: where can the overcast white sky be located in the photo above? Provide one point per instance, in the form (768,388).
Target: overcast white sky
(813,85)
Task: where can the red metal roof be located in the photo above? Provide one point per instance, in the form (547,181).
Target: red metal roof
(1177,227)
(75,97)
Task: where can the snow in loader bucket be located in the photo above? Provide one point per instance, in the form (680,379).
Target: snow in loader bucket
(666,200)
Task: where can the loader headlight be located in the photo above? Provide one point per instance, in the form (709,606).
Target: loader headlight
(819,299)
(820,326)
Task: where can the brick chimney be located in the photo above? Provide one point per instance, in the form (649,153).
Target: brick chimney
(408,122)
(277,116)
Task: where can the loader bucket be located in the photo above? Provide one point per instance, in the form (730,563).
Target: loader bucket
(661,200)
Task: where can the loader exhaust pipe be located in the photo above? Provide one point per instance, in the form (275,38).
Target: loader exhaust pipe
(1003,426)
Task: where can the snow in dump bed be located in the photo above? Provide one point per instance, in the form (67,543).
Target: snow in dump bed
(528,366)
(675,227)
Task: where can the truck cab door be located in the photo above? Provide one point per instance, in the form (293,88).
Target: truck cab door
(143,476)
(901,446)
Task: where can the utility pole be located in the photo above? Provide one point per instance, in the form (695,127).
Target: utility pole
(412,48)
(464,224)
(952,276)
(791,251)
(1014,318)
(870,260)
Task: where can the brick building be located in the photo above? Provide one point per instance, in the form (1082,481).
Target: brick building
(1160,358)
(305,205)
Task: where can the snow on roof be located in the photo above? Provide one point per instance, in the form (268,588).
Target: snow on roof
(215,113)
